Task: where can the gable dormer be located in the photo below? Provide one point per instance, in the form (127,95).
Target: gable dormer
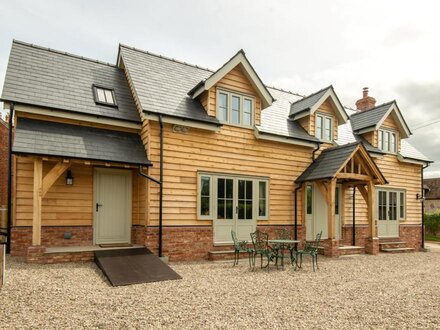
(320,114)
(382,126)
(234,94)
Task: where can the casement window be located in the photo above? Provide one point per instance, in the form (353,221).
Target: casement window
(387,141)
(105,96)
(230,197)
(235,109)
(324,128)
(391,205)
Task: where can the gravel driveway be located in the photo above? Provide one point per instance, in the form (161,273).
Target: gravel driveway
(400,291)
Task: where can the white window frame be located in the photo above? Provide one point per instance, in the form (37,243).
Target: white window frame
(384,136)
(242,98)
(213,198)
(398,204)
(321,136)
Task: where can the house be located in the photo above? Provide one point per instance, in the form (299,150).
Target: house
(162,153)
(432,195)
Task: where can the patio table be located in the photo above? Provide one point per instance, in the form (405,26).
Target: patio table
(283,244)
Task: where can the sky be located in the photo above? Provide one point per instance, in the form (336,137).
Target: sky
(392,47)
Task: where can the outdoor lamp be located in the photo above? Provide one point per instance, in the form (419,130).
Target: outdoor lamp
(69,177)
(420,197)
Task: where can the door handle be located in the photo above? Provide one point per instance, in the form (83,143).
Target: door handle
(97,206)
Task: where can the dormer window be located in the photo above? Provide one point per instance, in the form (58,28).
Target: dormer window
(105,96)
(387,141)
(323,128)
(235,109)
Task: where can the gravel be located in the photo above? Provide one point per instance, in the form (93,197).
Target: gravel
(400,291)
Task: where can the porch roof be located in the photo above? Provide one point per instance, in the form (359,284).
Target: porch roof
(331,162)
(43,138)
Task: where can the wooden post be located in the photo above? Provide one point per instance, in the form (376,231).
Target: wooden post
(331,193)
(37,198)
(371,209)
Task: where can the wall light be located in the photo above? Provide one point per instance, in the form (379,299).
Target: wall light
(419,197)
(69,178)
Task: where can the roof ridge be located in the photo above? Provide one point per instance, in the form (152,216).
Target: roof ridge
(15,41)
(342,146)
(285,91)
(313,94)
(165,57)
(376,107)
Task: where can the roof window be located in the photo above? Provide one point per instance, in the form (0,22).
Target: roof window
(105,96)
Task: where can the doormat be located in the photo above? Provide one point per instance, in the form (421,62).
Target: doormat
(112,245)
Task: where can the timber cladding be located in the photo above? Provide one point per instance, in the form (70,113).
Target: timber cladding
(233,150)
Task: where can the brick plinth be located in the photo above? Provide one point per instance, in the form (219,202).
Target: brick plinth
(372,246)
(361,235)
(331,247)
(38,255)
(412,235)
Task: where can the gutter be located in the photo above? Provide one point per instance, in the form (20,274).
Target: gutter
(11,120)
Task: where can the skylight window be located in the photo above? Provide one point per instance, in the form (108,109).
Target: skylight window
(105,96)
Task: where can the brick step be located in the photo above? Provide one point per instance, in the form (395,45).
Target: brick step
(224,255)
(398,250)
(387,245)
(348,250)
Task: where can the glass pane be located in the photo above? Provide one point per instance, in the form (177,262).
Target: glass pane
(249,190)
(247,105)
(235,110)
(205,186)
(337,201)
(109,96)
(223,107)
(328,126)
(393,206)
(241,188)
(204,206)
(241,210)
(221,188)
(382,205)
(380,139)
(262,208)
(386,147)
(318,127)
(402,205)
(229,209)
(393,142)
(235,118)
(262,189)
(247,119)
(220,209)
(249,210)
(101,95)
(229,188)
(309,199)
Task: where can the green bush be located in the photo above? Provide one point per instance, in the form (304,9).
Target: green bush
(432,223)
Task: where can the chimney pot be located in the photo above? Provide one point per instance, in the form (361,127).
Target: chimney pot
(365,92)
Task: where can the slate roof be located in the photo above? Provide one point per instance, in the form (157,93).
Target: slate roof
(307,102)
(275,119)
(369,118)
(162,84)
(44,138)
(48,78)
(328,163)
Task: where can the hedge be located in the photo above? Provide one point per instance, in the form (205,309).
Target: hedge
(432,223)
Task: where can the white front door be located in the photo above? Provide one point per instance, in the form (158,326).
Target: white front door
(234,208)
(387,222)
(112,207)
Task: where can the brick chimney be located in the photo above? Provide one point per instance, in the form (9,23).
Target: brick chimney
(366,102)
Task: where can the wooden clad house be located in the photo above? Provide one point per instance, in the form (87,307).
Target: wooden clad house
(161,153)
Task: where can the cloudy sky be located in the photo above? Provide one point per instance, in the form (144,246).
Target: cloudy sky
(390,46)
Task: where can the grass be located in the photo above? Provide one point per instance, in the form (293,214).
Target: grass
(432,238)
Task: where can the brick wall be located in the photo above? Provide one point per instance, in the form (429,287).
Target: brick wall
(412,235)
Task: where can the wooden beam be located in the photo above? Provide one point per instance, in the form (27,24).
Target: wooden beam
(371,209)
(37,197)
(363,192)
(323,189)
(354,176)
(331,225)
(53,175)
(342,204)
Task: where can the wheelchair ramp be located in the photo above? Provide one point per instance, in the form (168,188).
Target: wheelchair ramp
(133,266)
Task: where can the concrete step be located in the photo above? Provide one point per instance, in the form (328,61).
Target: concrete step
(398,250)
(224,255)
(348,250)
(386,246)
(390,242)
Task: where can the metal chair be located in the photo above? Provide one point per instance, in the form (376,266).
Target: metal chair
(261,247)
(287,234)
(240,246)
(311,249)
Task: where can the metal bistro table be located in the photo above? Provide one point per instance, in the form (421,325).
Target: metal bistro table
(283,245)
